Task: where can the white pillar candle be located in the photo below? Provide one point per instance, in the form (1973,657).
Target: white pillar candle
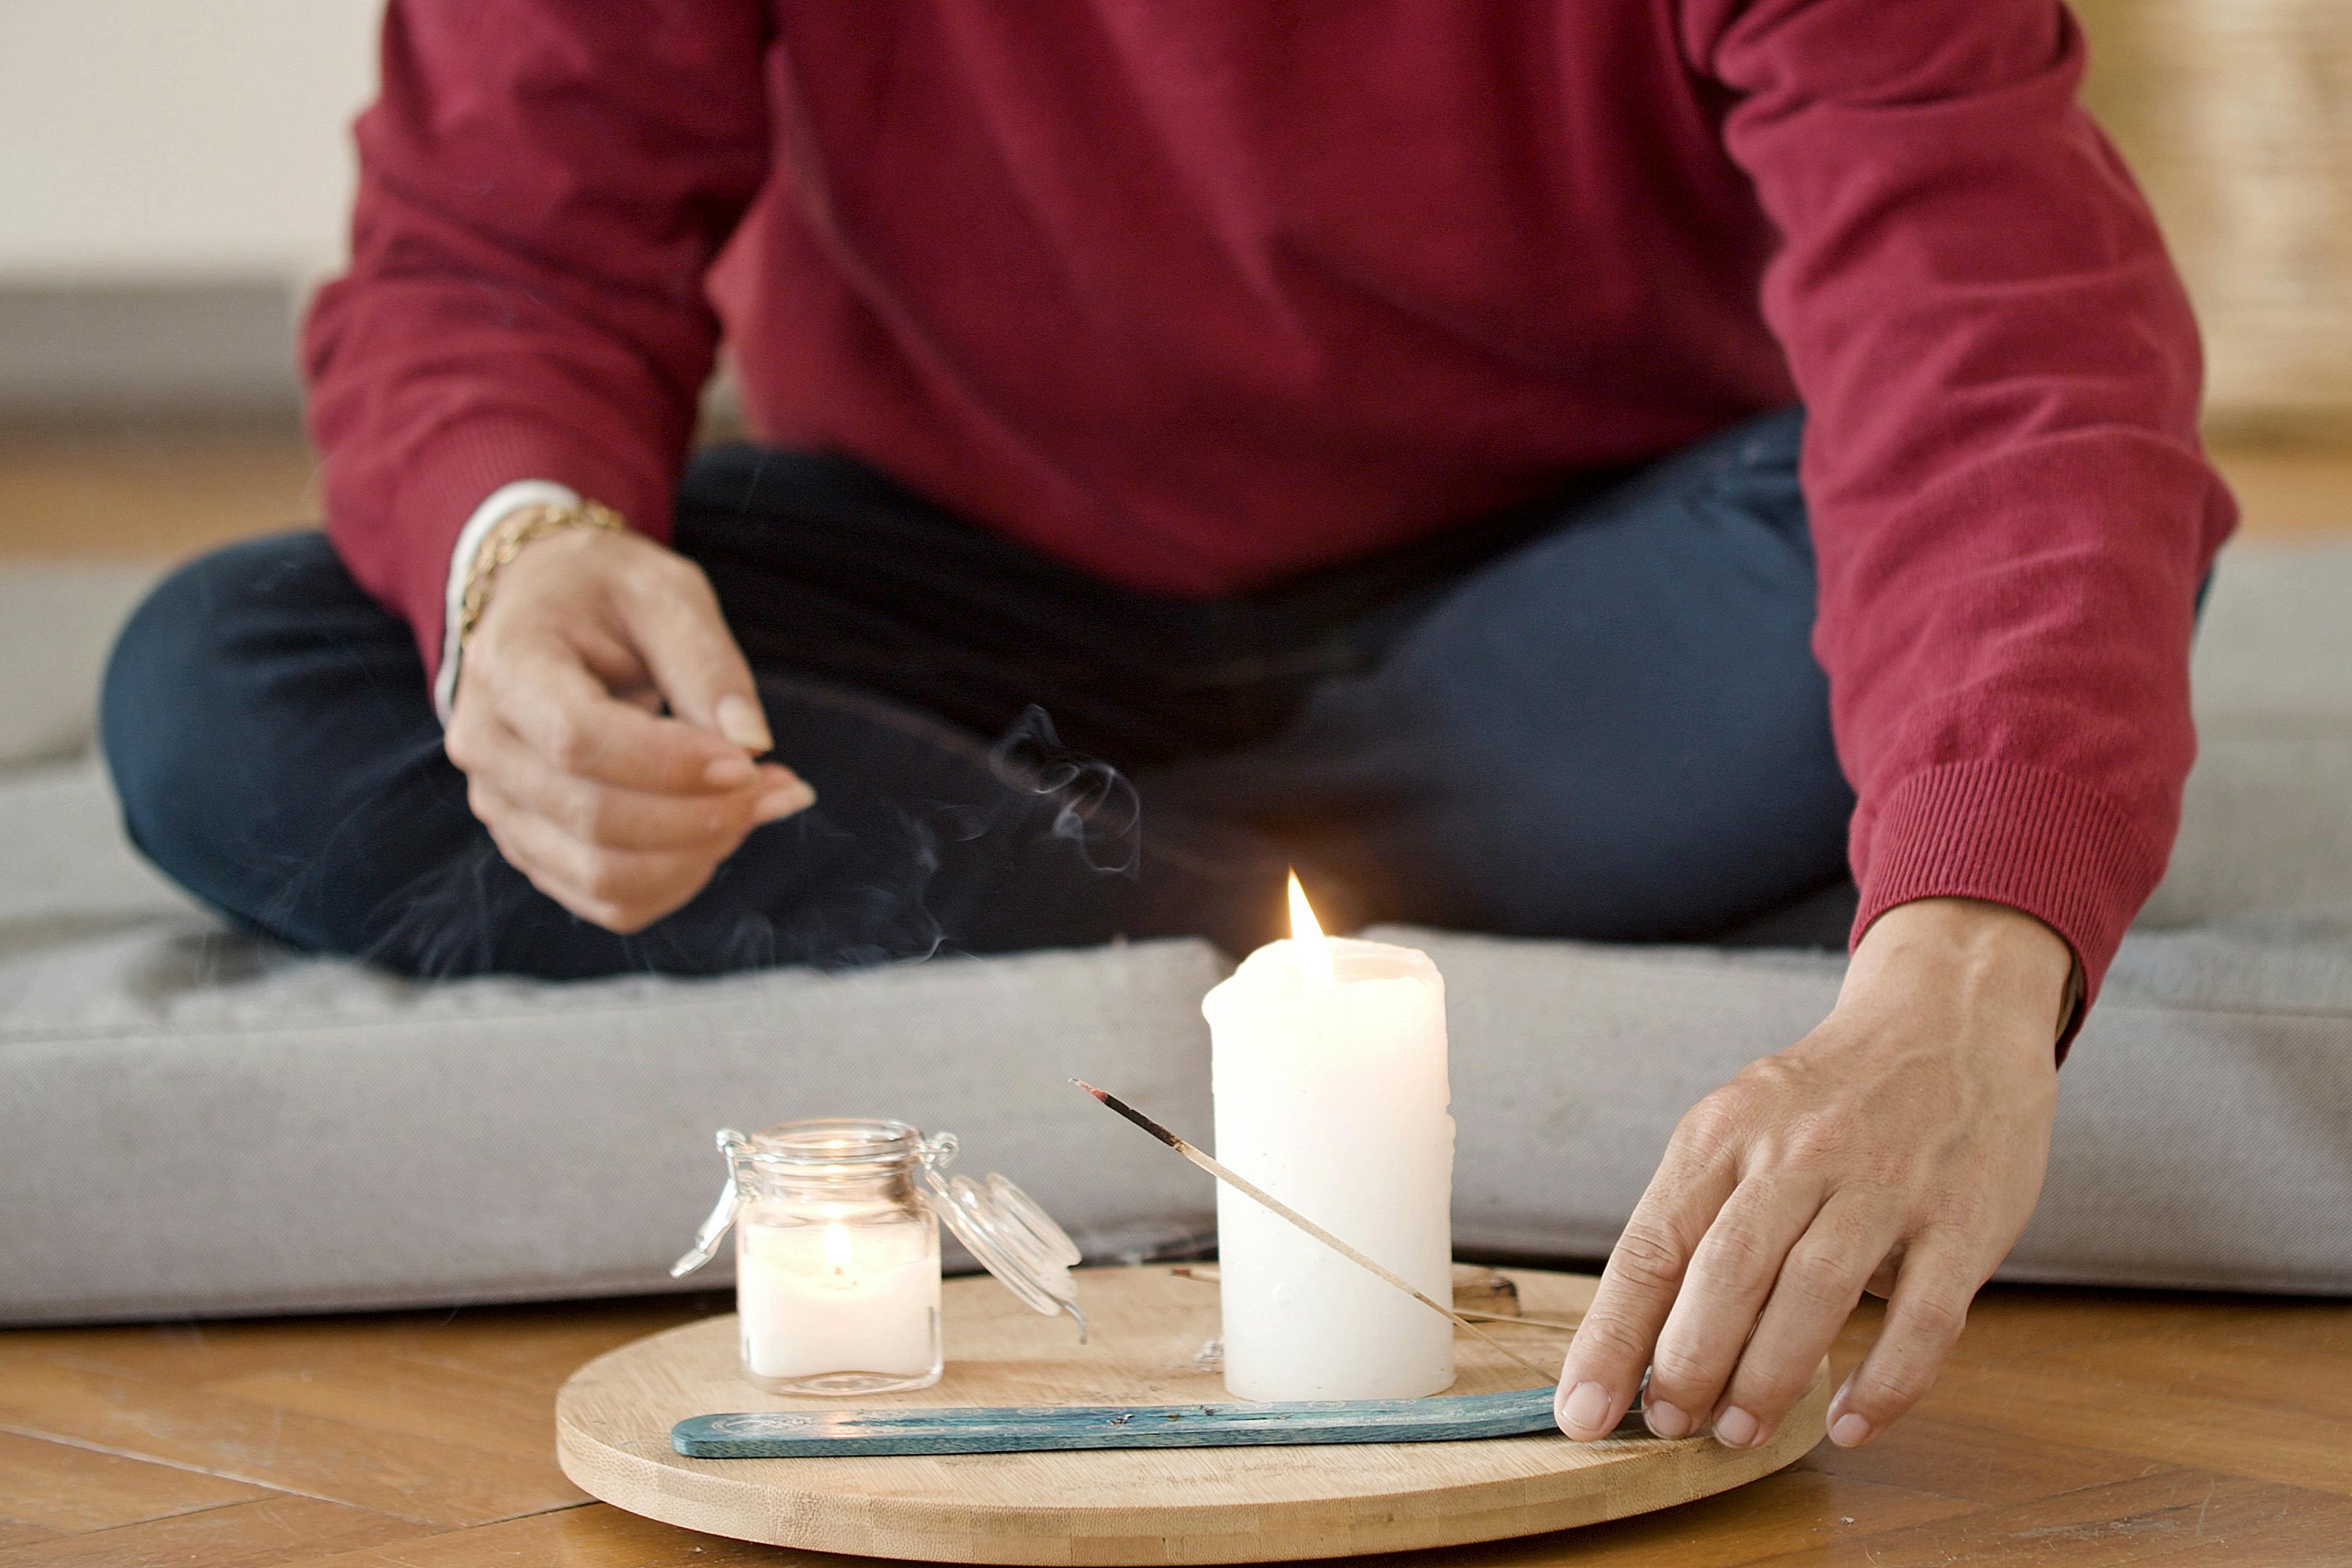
(821,1298)
(1327,1063)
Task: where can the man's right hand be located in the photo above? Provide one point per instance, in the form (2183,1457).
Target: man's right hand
(612,807)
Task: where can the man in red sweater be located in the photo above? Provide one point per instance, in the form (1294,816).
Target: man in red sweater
(1341,434)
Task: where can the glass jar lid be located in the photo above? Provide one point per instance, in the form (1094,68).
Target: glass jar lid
(1014,1239)
(1000,1226)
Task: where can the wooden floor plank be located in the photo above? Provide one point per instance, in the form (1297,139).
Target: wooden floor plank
(593,1536)
(263,1534)
(529,1344)
(2252,1370)
(2289,491)
(1926,1454)
(2012,1322)
(391,1472)
(2114,1401)
(175,495)
(2192,1516)
(2007,1323)
(2167,1425)
(2297,1537)
(419,1398)
(169,496)
(1799,1507)
(64,1490)
(540,1346)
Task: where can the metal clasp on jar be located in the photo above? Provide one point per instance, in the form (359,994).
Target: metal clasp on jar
(733,1145)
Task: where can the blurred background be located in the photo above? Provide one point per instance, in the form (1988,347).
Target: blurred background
(174,179)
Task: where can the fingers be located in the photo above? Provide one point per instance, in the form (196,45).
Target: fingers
(1731,1274)
(623,891)
(1903,1141)
(673,620)
(547,697)
(620,857)
(1819,1282)
(1612,1344)
(1924,1319)
(617,813)
(609,816)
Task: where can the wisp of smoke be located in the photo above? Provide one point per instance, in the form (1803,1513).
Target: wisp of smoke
(1099,811)
(844,897)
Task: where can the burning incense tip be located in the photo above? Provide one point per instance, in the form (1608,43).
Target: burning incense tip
(1116,1103)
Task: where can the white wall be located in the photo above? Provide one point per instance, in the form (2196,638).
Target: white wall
(168,141)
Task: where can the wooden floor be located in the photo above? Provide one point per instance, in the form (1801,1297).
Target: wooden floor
(163,496)
(2071,1428)
(171,495)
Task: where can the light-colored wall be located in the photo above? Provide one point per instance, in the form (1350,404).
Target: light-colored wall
(171,141)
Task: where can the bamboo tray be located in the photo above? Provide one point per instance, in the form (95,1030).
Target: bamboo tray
(1125,1506)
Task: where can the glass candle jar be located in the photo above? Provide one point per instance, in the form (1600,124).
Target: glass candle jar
(838,1258)
(837,1251)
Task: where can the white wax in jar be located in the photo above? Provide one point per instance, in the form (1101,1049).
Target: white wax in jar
(1331,1094)
(822,1297)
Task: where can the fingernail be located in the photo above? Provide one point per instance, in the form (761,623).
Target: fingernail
(1583,1412)
(1734,1429)
(1666,1420)
(1849,1431)
(730,773)
(740,722)
(794,796)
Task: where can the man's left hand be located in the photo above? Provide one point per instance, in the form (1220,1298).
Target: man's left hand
(1899,1148)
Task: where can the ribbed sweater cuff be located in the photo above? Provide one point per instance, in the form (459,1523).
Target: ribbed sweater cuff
(457,472)
(2032,839)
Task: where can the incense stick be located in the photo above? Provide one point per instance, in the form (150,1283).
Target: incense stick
(1258,1194)
(1186,1271)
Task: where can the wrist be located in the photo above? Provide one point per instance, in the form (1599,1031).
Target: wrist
(513,532)
(478,523)
(1970,955)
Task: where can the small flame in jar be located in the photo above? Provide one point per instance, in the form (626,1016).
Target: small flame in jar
(836,1248)
(1306,941)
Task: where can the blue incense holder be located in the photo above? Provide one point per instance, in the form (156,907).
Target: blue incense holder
(812,1434)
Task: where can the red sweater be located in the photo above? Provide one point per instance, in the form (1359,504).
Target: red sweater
(1200,295)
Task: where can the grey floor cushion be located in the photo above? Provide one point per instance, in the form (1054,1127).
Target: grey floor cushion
(57,622)
(195,1123)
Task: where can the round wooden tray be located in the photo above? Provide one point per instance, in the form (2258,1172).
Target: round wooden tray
(1124,1506)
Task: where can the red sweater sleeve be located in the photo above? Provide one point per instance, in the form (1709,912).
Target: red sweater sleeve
(541,189)
(2009,503)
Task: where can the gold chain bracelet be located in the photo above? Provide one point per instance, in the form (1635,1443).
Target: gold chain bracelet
(505,541)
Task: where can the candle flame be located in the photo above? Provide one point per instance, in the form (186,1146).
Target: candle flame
(1306,940)
(836,1248)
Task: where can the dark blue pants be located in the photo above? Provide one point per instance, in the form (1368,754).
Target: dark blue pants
(1599,718)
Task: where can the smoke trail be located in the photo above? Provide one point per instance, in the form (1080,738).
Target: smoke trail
(1099,813)
(852,889)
